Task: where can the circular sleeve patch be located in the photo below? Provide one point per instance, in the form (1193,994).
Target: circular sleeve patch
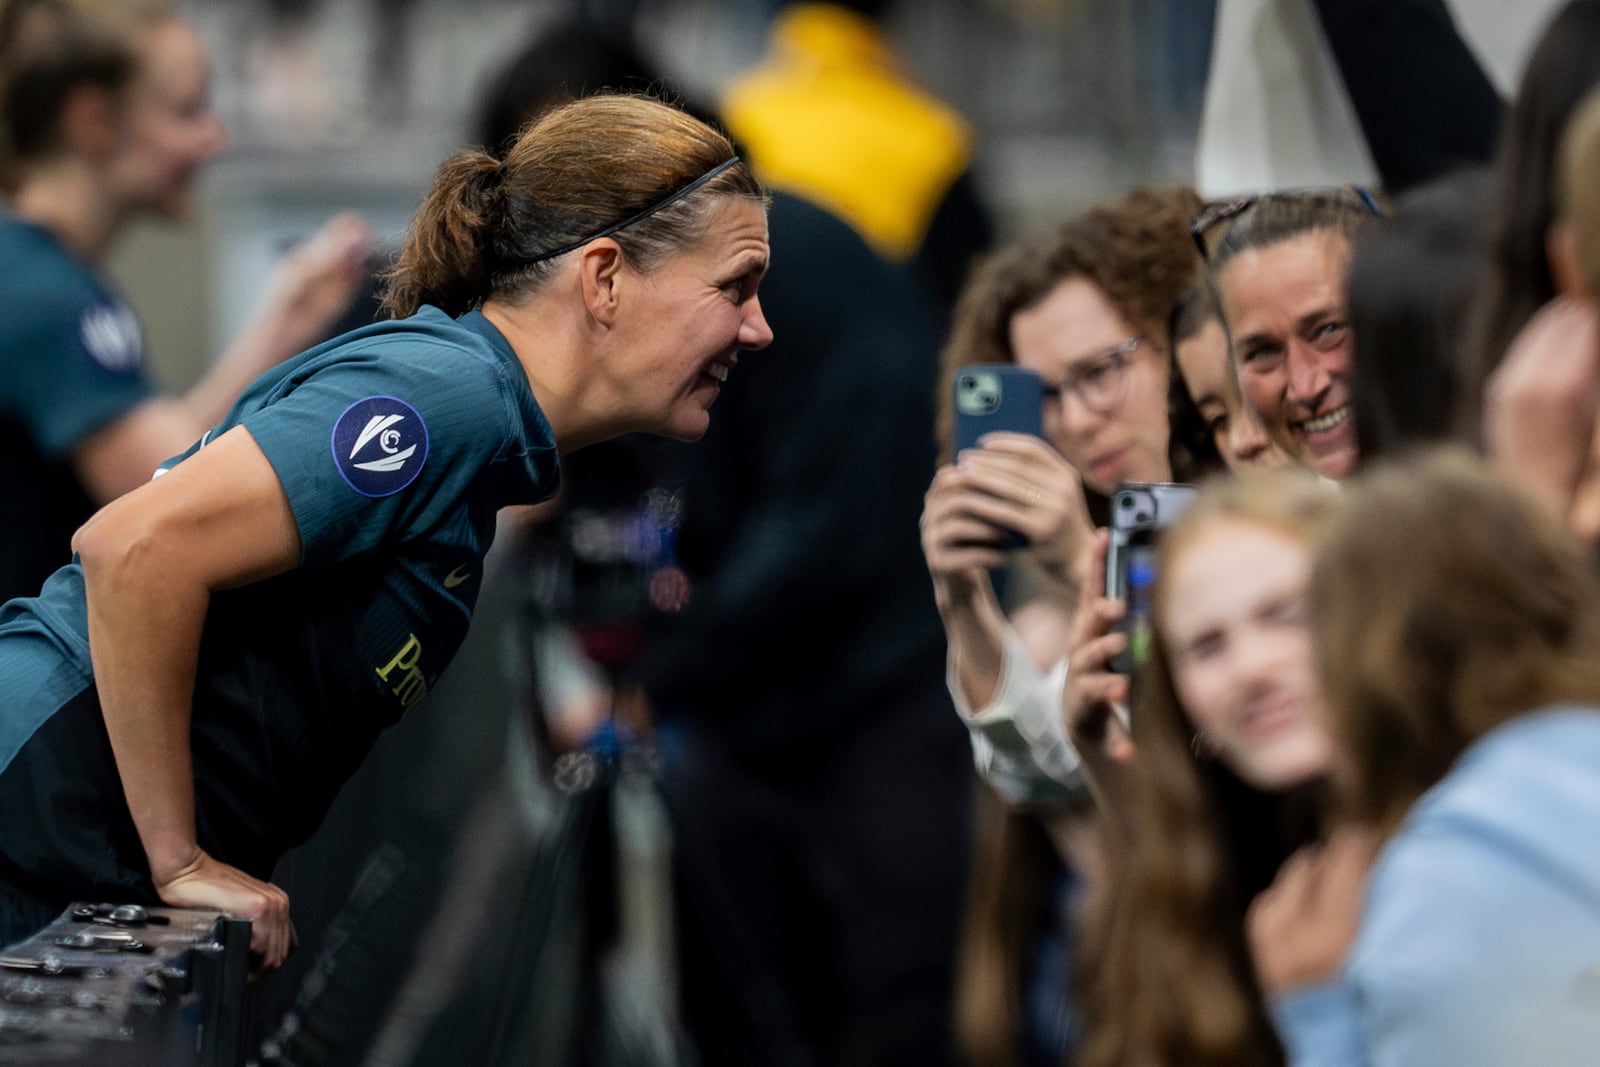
(379,445)
(112,337)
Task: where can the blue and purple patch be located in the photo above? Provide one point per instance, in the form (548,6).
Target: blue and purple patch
(379,445)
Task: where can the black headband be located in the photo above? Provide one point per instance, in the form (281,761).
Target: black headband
(665,202)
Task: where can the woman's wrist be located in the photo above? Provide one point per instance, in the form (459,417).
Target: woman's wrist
(957,590)
(172,860)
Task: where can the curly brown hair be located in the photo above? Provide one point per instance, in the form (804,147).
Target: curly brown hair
(1136,249)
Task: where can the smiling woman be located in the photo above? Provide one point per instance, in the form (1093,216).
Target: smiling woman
(186,700)
(1278,266)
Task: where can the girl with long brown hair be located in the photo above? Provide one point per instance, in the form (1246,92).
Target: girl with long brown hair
(1223,788)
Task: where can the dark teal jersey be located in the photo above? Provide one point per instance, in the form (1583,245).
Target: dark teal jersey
(71,361)
(395,445)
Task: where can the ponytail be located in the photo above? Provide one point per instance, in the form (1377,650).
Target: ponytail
(444,261)
(619,165)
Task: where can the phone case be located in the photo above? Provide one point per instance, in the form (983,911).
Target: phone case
(1139,512)
(996,396)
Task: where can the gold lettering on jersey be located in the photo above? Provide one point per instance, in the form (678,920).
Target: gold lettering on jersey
(411,686)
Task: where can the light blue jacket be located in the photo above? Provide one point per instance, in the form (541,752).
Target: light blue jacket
(1480,936)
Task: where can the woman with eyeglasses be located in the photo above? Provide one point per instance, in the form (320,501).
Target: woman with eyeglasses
(1086,306)
(1278,264)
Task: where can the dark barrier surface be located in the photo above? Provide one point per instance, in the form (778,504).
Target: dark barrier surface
(127,986)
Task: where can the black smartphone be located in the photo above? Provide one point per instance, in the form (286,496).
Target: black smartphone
(997,396)
(1139,512)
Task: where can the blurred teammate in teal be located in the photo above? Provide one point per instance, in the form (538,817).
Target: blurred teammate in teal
(105,117)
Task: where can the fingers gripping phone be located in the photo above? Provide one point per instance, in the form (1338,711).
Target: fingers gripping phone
(1139,512)
(991,397)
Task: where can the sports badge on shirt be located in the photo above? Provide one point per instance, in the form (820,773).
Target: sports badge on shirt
(379,445)
(112,337)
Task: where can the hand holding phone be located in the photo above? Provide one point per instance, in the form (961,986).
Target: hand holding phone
(992,398)
(1139,513)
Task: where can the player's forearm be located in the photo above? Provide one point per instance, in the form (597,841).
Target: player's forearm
(273,334)
(145,618)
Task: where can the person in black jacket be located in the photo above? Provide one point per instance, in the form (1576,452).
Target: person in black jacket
(819,780)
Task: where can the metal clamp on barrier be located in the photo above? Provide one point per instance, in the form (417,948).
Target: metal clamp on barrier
(127,986)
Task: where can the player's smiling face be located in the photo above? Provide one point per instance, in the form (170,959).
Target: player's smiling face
(1285,307)
(694,314)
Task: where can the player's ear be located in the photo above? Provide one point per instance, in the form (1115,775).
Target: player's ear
(600,275)
(89,120)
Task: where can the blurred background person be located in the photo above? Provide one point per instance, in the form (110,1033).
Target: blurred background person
(107,118)
(1206,404)
(1529,381)
(1518,214)
(832,115)
(1464,706)
(1411,276)
(1086,306)
(1224,786)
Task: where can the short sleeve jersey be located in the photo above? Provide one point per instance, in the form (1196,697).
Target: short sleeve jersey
(71,361)
(395,446)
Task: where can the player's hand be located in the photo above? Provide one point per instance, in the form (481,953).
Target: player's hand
(210,883)
(317,279)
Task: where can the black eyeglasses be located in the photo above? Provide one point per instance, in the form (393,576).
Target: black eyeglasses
(1207,227)
(1097,381)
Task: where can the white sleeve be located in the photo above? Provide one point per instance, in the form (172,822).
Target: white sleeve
(1019,741)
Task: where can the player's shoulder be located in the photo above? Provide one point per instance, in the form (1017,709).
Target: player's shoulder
(33,263)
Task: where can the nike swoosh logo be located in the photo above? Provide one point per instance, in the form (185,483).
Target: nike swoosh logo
(457,576)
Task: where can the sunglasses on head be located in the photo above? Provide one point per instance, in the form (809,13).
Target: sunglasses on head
(1208,227)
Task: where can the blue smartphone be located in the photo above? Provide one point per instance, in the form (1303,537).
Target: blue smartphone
(997,396)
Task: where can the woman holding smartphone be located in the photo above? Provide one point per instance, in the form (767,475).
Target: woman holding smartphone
(1225,786)
(1086,308)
